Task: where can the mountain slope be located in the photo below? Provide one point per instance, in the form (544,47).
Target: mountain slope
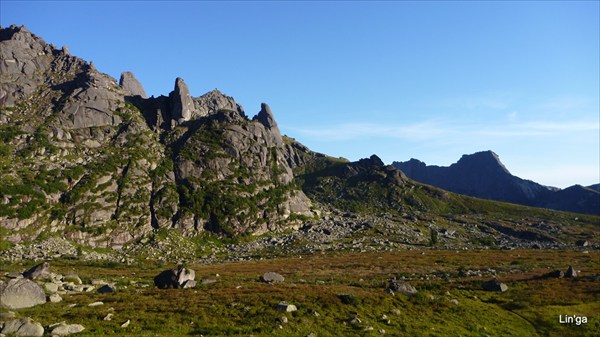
(104,165)
(482,175)
(98,163)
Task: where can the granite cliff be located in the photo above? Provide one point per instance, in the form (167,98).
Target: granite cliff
(104,164)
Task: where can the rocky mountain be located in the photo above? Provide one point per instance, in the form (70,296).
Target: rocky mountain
(103,164)
(98,163)
(482,175)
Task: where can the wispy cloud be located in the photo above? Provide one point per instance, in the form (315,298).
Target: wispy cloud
(436,129)
(346,131)
(533,129)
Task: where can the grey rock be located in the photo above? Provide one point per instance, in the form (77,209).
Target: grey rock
(107,288)
(213,102)
(74,278)
(131,85)
(174,278)
(182,101)
(63,329)
(126,324)
(401,287)
(185,275)
(40,271)
(571,272)
(7,315)
(582,243)
(265,116)
(54,298)
(14,275)
(208,281)
(354,320)
(96,304)
(284,306)
(495,285)
(272,277)
(51,287)
(23,327)
(21,293)
(189,284)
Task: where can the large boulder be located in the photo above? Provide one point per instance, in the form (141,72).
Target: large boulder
(40,271)
(285,306)
(495,285)
(63,329)
(571,272)
(401,287)
(175,278)
(185,275)
(23,327)
(21,293)
(107,288)
(271,277)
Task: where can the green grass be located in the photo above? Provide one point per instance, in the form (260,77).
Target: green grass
(239,305)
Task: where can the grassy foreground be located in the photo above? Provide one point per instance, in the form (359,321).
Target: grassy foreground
(449,302)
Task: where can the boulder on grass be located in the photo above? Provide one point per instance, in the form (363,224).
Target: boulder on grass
(175,278)
(21,293)
(401,287)
(63,329)
(107,288)
(42,270)
(23,327)
(571,272)
(285,306)
(495,285)
(271,277)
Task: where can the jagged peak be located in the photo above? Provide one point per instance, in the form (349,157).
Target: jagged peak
(214,101)
(487,158)
(214,94)
(414,161)
(129,83)
(374,160)
(182,101)
(19,33)
(265,116)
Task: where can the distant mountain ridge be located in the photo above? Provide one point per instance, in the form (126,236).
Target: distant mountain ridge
(483,175)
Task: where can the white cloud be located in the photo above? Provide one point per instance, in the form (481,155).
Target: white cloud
(347,131)
(437,129)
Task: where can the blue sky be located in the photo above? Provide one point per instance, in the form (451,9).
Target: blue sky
(426,80)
